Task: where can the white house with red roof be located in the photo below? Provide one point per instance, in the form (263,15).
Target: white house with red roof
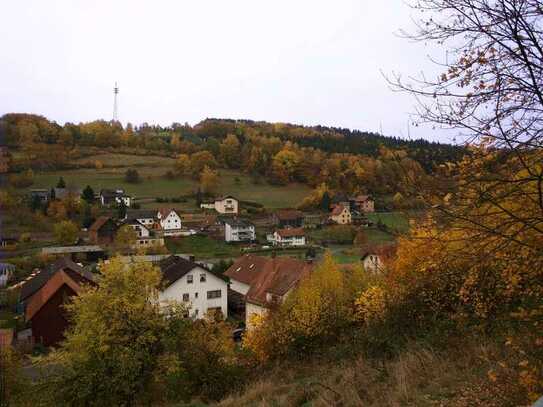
(289,237)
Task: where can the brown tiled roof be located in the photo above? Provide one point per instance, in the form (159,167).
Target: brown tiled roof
(291,232)
(337,210)
(98,223)
(40,277)
(166,211)
(288,214)
(277,277)
(38,300)
(246,268)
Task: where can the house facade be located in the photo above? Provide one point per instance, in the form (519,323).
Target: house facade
(289,237)
(238,230)
(288,218)
(110,197)
(46,294)
(103,230)
(269,281)
(364,203)
(195,285)
(42,194)
(341,215)
(227,205)
(169,221)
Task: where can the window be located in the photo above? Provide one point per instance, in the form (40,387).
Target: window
(196,312)
(185,297)
(195,295)
(213,294)
(189,279)
(203,278)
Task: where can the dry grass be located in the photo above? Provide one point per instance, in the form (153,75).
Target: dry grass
(418,377)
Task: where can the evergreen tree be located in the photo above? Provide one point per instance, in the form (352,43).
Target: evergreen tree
(325,201)
(61,183)
(88,194)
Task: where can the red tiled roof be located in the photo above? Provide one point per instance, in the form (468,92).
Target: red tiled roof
(38,300)
(291,232)
(166,211)
(277,277)
(246,268)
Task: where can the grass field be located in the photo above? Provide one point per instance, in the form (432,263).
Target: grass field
(153,184)
(394,220)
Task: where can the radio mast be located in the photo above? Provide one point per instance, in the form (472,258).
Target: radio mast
(115,93)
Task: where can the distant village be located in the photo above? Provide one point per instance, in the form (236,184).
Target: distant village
(245,286)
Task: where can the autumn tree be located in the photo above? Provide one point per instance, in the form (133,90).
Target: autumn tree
(182,164)
(230,151)
(125,238)
(209,180)
(314,314)
(117,330)
(199,160)
(66,232)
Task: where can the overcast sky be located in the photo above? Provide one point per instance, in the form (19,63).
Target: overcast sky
(299,61)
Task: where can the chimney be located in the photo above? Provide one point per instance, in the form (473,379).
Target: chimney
(192,258)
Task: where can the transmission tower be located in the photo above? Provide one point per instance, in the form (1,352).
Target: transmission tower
(115,93)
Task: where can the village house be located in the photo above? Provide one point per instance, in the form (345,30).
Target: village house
(45,309)
(103,230)
(376,258)
(109,197)
(195,285)
(239,230)
(145,235)
(8,242)
(146,217)
(288,218)
(224,205)
(341,215)
(265,281)
(363,203)
(68,192)
(42,194)
(169,221)
(6,271)
(289,237)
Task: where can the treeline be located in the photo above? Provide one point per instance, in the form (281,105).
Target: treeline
(351,161)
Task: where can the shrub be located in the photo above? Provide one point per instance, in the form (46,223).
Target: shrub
(132,176)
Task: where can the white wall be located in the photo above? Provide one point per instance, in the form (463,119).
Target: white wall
(200,304)
(239,287)
(231,233)
(229,205)
(171,222)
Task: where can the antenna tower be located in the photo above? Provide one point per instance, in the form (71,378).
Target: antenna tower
(115,93)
